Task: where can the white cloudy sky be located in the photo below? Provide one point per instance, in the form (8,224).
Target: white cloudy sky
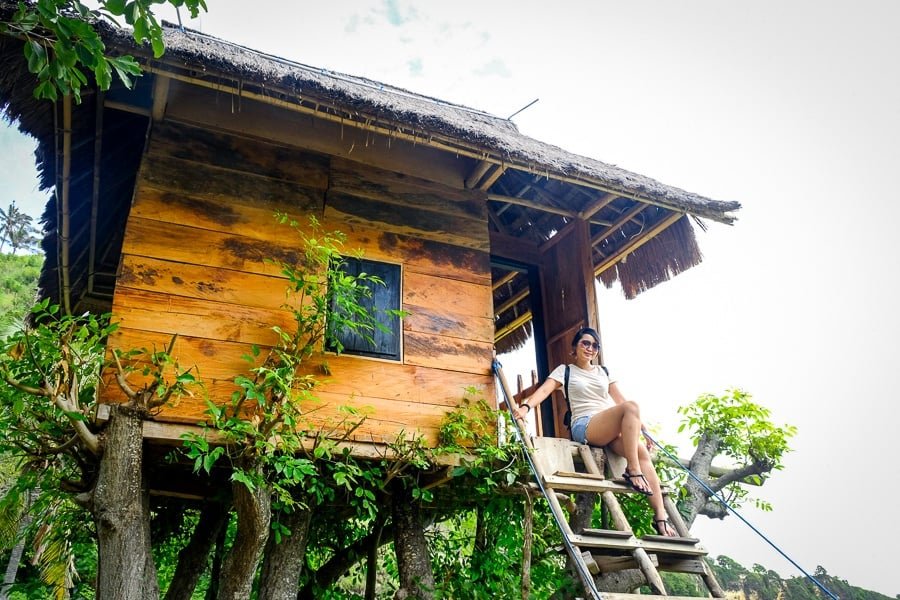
(792,109)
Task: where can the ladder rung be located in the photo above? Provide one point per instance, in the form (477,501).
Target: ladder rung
(674,540)
(583,484)
(631,543)
(615,533)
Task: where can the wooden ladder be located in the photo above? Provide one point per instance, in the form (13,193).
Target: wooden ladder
(565,467)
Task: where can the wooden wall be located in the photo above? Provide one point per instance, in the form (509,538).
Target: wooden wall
(193,263)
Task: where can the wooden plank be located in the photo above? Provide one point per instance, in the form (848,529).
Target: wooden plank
(425,320)
(346,375)
(582,484)
(202,282)
(613,564)
(412,221)
(190,103)
(234,215)
(416,254)
(361,181)
(682,565)
(162,313)
(440,295)
(224,186)
(239,154)
(429,350)
(513,248)
(182,243)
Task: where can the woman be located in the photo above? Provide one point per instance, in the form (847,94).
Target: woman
(601,416)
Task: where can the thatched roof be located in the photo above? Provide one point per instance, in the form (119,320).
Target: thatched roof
(534,188)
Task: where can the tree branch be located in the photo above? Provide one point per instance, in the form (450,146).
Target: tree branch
(757,467)
(714,510)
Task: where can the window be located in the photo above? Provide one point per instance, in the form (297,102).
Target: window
(384,297)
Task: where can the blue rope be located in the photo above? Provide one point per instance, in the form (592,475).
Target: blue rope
(739,516)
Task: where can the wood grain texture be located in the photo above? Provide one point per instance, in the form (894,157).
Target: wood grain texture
(224,186)
(428,350)
(239,154)
(361,181)
(411,221)
(440,295)
(204,283)
(217,321)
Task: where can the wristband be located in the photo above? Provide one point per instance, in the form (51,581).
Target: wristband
(527,407)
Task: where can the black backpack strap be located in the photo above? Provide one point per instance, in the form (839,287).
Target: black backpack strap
(605,370)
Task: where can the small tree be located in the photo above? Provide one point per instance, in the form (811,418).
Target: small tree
(17,230)
(735,427)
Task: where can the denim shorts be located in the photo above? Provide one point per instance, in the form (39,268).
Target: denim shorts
(579,429)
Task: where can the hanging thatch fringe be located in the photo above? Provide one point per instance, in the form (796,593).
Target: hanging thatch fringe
(671,252)
(515,339)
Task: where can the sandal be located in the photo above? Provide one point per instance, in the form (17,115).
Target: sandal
(664,528)
(627,479)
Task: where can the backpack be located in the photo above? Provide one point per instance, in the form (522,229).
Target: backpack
(567,418)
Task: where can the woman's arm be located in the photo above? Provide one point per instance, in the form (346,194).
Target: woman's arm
(535,399)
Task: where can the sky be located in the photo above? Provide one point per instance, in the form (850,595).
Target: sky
(792,109)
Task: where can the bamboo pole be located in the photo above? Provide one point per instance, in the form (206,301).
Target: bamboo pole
(65,221)
(492,178)
(617,224)
(504,280)
(508,329)
(477,173)
(597,205)
(95,190)
(532,204)
(512,302)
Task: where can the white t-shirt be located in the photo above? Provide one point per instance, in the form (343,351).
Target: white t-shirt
(588,390)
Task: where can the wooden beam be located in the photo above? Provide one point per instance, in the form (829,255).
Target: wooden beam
(596,206)
(477,173)
(532,204)
(636,243)
(492,178)
(511,302)
(504,280)
(512,326)
(514,248)
(618,224)
(129,108)
(160,97)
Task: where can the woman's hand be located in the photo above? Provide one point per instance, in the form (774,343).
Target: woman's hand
(520,411)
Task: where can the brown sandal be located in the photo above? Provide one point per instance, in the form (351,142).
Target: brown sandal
(627,479)
(663,528)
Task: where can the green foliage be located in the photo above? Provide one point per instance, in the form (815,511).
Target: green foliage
(18,286)
(766,583)
(63,46)
(742,427)
(741,430)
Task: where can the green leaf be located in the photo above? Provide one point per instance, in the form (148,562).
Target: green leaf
(115,7)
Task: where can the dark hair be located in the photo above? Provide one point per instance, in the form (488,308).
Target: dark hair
(585,331)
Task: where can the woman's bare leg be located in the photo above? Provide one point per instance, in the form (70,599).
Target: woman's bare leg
(620,426)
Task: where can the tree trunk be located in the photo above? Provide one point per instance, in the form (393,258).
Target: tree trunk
(120,502)
(411,547)
(700,464)
(212,592)
(283,562)
(193,558)
(254,513)
(372,559)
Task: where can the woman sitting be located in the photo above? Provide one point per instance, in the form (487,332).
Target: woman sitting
(601,416)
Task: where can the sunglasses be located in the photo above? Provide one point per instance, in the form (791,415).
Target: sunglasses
(589,345)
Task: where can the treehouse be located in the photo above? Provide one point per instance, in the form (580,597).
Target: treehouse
(163,205)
